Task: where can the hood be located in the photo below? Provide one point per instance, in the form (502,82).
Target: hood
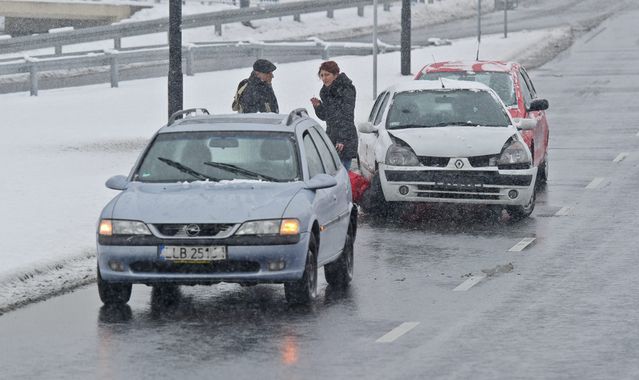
(455,141)
(205,202)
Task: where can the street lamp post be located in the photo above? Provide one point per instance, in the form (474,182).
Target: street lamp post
(506,19)
(374,49)
(175,88)
(405,38)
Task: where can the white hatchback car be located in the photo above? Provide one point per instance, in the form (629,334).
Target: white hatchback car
(446,141)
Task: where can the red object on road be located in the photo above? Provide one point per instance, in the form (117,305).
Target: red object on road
(359,184)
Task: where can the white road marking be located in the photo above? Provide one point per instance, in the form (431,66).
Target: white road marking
(398,331)
(595,183)
(472,281)
(621,156)
(563,211)
(525,242)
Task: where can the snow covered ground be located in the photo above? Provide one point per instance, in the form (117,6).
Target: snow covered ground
(58,149)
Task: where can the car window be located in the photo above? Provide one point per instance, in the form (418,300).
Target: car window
(442,107)
(524,90)
(315,166)
(529,82)
(214,155)
(378,102)
(324,151)
(381,110)
(500,82)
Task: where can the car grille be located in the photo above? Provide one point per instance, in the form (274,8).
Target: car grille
(206,230)
(438,162)
(466,178)
(213,267)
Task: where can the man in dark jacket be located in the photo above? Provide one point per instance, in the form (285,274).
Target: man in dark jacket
(337,108)
(258,96)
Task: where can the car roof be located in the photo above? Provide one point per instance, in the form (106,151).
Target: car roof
(437,85)
(265,122)
(470,66)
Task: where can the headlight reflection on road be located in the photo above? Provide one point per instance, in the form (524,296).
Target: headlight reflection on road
(290,350)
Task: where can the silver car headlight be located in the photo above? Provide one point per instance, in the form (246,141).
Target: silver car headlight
(398,155)
(110,227)
(514,156)
(270,227)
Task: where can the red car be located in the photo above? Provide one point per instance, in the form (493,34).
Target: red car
(513,85)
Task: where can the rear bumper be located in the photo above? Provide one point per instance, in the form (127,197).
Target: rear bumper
(470,186)
(245,263)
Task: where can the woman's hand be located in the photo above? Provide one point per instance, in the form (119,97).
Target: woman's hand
(316,102)
(339,147)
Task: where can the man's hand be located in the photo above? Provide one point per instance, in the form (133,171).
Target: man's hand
(316,102)
(339,147)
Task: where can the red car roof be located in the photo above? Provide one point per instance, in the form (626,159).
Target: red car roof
(473,66)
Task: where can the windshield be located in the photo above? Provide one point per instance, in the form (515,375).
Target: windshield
(436,108)
(501,83)
(216,156)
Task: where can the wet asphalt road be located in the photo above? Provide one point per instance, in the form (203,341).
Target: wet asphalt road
(563,307)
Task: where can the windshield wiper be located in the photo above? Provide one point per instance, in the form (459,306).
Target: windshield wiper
(239,170)
(186,169)
(406,126)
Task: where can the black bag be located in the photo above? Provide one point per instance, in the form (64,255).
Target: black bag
(236,106)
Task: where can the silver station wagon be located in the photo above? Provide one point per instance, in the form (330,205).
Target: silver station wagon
(249,198)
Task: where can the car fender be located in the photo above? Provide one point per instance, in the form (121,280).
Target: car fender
(381,147)
(300,207)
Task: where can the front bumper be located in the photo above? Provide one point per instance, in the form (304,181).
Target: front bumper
(248,263)
(452,185)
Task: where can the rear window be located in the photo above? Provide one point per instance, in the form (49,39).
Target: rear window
(501,83)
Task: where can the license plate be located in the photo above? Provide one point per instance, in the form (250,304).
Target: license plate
(192,254)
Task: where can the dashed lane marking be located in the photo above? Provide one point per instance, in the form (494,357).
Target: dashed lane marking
(563,211)
(621,157)
(595,183)
(525,242)
(469,283)
(398,331)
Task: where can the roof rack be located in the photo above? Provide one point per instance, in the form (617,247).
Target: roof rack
(182,113)
(297,113)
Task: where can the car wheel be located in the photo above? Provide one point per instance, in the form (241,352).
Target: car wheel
(521,212)
(542,174)
(373,201)
(304,290)
(113,293)
(339,273)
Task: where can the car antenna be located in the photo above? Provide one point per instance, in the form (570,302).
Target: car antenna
(442,82)
(477,56)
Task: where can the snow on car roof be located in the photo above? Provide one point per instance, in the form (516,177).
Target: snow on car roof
(470,66)
(448,84)
(233,122)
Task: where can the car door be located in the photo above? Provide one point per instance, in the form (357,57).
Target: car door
(341,194)
(538,133)
(324,202)
(369,140)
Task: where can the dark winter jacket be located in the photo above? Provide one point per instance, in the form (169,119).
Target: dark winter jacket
(258,96)
(338,110)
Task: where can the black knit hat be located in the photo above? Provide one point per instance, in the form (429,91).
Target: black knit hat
(264,66)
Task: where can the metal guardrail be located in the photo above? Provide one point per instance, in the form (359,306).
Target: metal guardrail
(128,29)
(114,60)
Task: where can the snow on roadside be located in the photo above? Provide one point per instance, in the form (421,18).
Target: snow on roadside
(65,143)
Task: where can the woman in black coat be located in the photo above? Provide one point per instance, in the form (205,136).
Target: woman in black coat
(337,108)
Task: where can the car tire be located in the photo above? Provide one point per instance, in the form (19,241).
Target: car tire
(521,212)
(304,290)
(339,273)
(113,293)
(542,174)
(373,200)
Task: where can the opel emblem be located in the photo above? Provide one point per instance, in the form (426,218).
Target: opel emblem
(192,230)
(459,164)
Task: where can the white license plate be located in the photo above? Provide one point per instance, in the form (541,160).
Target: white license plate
(192,253)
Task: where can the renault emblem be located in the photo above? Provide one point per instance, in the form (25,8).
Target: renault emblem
(192,230)
(459,164)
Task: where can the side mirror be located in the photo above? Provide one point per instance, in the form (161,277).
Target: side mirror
(538,105)
(525,124)
(321,181)
(117,182)
(367,127)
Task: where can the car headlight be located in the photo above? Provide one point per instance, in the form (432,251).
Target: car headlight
(398,155)
(514,156)
(110,227)
(270,227)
